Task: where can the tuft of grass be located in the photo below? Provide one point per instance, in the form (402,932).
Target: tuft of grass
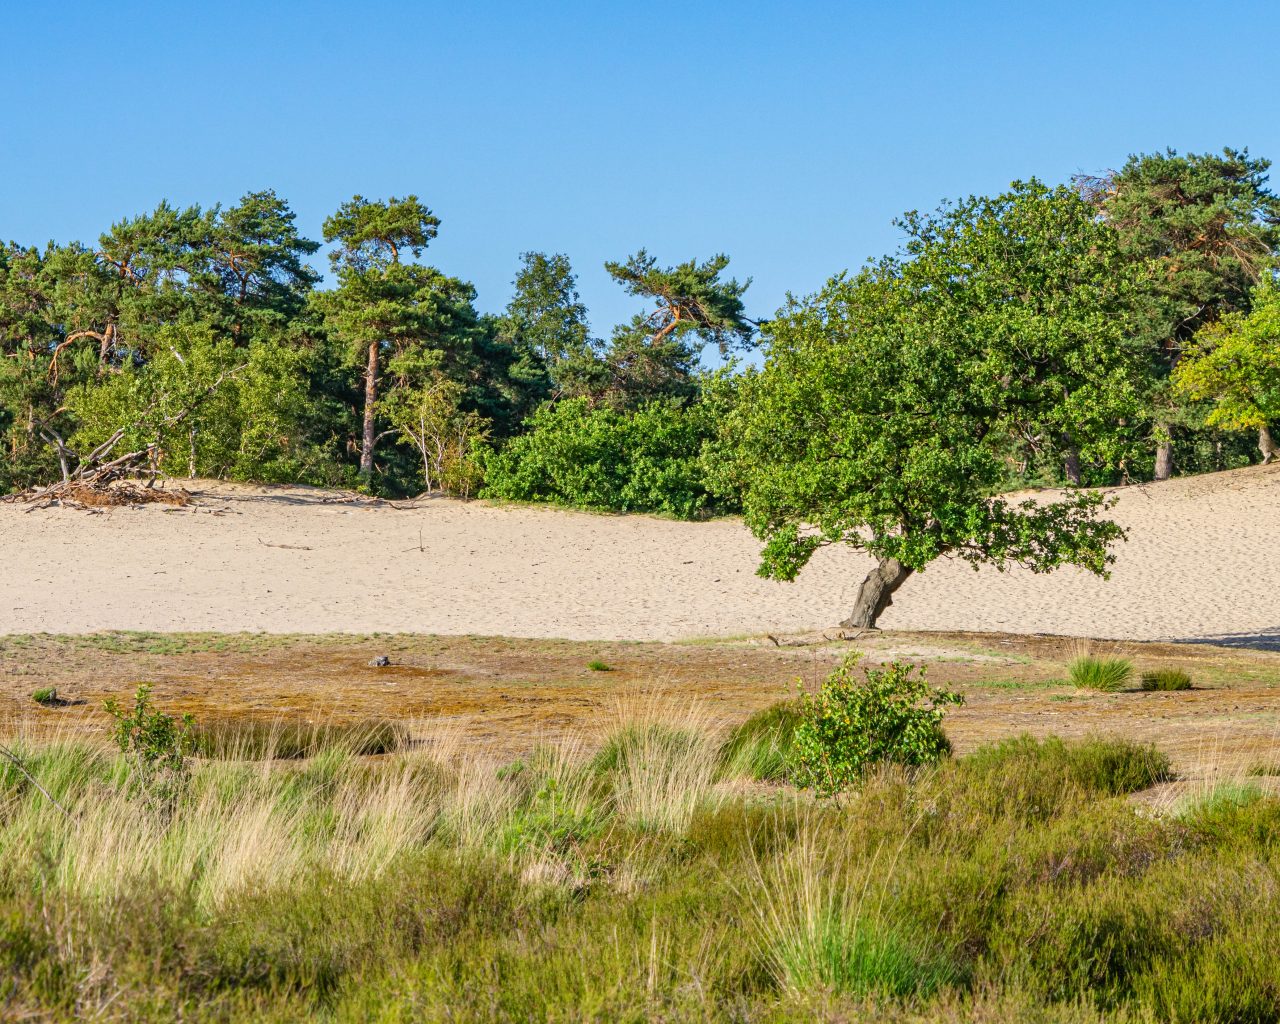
(599,666)
(46,695)
(1166,679)
(281,739)
(760,748)
(1264,769)
(1105,674)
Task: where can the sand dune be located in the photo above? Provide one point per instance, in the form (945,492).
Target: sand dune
(1202,562)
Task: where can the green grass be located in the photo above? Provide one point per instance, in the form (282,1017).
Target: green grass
(760,748)
(1166,679)
(1106,674)
(624,882)
(46,695)
(599,666)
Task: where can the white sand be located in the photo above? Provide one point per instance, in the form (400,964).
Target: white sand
(1203,561)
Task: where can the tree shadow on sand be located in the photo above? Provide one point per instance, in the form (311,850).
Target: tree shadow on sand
(1262,640)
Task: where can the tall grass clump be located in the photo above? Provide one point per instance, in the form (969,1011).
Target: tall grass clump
(761,747)
(824,930)
(1166,679)
(1105,674)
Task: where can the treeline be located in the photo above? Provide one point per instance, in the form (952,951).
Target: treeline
(201,336)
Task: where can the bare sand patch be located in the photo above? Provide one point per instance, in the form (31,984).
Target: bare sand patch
(1202,562)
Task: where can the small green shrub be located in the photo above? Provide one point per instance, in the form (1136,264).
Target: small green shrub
(46,695)
(1166,679)
(1105,674)
(760,748)
(157,746)
(599,666)
(890,715)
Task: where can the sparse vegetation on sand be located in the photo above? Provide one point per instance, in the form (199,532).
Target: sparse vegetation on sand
(645,876)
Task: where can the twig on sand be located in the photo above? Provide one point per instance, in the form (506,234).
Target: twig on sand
(288,547)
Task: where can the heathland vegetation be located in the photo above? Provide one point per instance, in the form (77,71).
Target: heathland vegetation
(670,872)
(1110,330)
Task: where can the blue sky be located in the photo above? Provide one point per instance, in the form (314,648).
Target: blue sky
(787,135)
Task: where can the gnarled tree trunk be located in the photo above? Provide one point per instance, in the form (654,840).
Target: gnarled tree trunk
(370,400)
(1267,445)
(876,593)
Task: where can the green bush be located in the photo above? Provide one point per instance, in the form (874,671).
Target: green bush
(891,715)
(156,746)
(607,461)
(46,695)
(760,748)
(1105,674)
(1166,679)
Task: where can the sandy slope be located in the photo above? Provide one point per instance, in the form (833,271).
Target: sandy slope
(1203,561)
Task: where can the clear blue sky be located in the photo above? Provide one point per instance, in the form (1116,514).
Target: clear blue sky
(787,135)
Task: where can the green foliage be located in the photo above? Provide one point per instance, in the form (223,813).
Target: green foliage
(892,403)
(599,666)
(608,461)
(156,745)
(1208,226)
(1166,679)
(851,725)
(1106,674)
(761,747)
(1235,365)
(46,695)
(690,299)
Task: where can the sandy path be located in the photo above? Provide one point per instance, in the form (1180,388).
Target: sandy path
(1203,561)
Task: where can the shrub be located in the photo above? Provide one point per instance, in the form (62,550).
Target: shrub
(1105,674)
(1036,779)
(157,746)
(1166,679)
(850,725)
(599,666)
(760,748)
(607,461)
(46,695)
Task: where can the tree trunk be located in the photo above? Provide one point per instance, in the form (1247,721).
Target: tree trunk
(1071,467)
(1267,445)
(370,399)
(876,593)
(1164,460)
